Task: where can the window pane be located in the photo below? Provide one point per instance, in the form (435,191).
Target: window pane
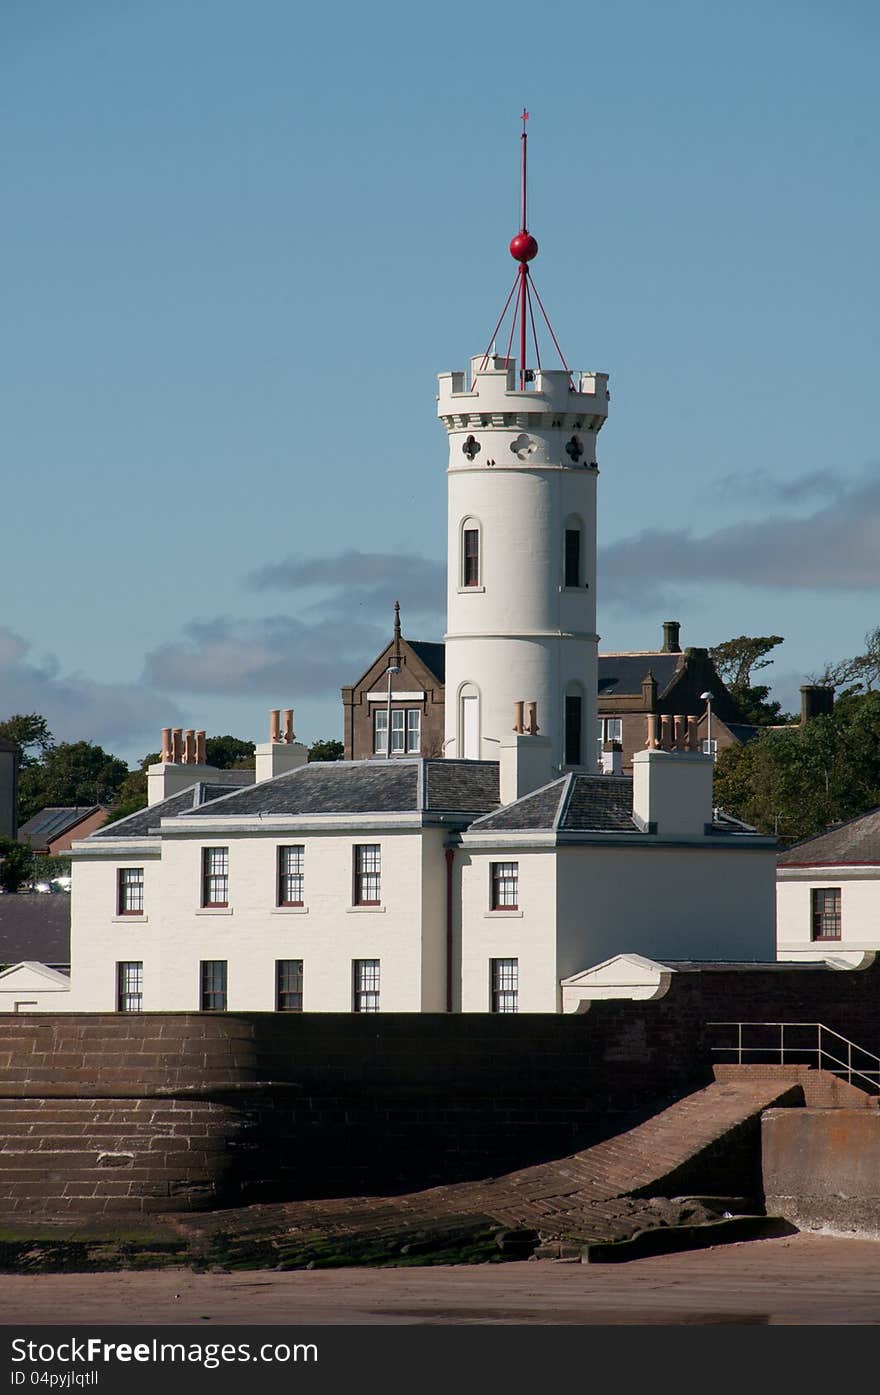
(505,985)
(289,985)
(826,913)
(413,729)
(291,875)
(367,874)
(471,558)
(398,718)
(131,891)
(505,883)
(380,731)
(215,876)
(365,979)
(213,996)
(129,986)
(573,710)
(572,556)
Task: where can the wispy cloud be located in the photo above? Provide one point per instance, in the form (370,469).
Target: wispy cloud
(77,708)
(344,609)
(837,546)
(368,581)
(760,484)
(278,656)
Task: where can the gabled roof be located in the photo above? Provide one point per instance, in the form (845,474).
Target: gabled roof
(52,822)
(33,968)
(622,674)
(145,822)
(365,787)
(433,656)
(853,843)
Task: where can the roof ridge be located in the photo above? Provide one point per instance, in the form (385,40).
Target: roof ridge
(564,801)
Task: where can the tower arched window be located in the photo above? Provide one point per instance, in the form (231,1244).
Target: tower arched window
(468,746)
(574,724)
(573,553)
(471,553)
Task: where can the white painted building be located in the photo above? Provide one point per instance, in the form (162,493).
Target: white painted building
(828,893)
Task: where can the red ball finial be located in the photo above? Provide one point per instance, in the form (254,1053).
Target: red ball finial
(523,247)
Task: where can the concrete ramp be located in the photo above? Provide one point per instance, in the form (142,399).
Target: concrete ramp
(705,1144)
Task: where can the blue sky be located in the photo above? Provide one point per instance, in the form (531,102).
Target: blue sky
(239,243)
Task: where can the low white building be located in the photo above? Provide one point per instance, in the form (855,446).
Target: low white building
(406,886)
(828,893)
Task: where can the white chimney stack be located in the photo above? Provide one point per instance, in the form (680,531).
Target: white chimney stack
(672,793)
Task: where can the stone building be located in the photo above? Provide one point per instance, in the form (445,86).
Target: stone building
(401,691)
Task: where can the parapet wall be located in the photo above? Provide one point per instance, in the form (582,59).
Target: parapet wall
(108,1112)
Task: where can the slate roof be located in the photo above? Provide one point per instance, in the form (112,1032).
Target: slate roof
(574,803)
(855,842)
(367,787)
(433,656)
(35,925)
(51,823)
(622,674)
(145,822)
(582,804)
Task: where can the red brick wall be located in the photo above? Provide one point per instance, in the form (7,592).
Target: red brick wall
(219,1108)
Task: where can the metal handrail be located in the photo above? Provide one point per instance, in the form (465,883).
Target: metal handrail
(845,1068)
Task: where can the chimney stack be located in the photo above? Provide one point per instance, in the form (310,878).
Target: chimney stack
(817,700)
(182,762)
(282,753)
(671,630)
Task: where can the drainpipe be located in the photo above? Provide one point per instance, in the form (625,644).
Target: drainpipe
(450,855)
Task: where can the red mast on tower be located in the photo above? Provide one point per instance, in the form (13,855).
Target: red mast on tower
(524,249)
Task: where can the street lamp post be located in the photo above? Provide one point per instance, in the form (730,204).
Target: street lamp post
(392,668)
(708,698)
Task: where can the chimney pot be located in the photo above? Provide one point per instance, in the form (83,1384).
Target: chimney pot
(518,716)
(201,758)
(275,724)
(189,746)
(166,745)
(532,718)
(671,631)
(288,725)
(176,745)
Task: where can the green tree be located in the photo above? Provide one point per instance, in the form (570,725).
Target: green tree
(229,753)
(861,672)
(16,864)
(75,772)
(31,734)
(735,661)
(796,781)
(326,750)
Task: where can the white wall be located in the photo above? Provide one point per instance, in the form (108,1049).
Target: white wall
(99,938)
(665,903)
(859,911)
(176,934)
(527,934)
